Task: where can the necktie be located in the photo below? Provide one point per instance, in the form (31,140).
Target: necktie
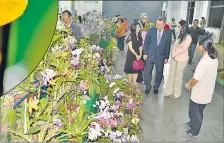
(159,38)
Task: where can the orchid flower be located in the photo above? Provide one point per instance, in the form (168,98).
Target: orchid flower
(131,106)
(84,85)
(111,84)
(47,76)
(57,123)
(42,124)
(134,138)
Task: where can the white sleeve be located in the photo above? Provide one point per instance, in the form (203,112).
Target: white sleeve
(200,70)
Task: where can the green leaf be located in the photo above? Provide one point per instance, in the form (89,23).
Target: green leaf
(50,90)
(12,118)
(98,89)
(69,100)
(62,108)
(33,130)
(54,64)
(58,85)
(43,118)
(20,135)
(96,80)
(43,104)
(120,128)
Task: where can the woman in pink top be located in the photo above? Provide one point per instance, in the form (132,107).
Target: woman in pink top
(179,61)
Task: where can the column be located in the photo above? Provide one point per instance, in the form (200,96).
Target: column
(197,9)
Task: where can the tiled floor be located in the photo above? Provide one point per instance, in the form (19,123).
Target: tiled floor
(162,117)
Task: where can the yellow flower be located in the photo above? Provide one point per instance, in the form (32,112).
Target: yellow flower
(33,105)
(53,81)
(66,72)
(135,121)
(63,55)
(10,10)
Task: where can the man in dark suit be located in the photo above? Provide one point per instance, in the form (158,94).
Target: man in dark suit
(76,29)
(156,52)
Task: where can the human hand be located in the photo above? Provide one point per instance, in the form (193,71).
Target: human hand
(145,57)
(166,61)
(138,57)
(187,85)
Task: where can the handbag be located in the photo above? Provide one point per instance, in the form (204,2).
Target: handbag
(138,65)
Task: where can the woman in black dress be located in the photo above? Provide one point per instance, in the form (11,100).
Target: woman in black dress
(134,41)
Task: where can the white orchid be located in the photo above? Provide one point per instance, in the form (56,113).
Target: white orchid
(77,52)
(134,138)
(118,133)
(116,90)
(95,132)
(48,74)
(72,39)
(111,84)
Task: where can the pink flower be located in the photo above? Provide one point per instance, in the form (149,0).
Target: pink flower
(131,106)
(4,129)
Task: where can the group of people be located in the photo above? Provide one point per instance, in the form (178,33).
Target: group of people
(154,48)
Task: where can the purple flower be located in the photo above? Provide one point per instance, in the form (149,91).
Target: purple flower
(103,69)
(131,106)
(73,46)
(57,123)
(115,107)
(118,102)
(110,77)
(121,93)
(42,124)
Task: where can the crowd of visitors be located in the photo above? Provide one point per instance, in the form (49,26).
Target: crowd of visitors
(151,48)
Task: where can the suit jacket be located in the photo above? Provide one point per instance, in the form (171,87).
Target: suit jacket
(76,31)
(157,54)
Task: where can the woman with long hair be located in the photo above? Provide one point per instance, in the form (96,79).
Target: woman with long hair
(134,41)
(201,85)
(179,61)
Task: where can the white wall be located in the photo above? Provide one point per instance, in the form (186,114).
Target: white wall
(201,10)
(84,6)
(65,5)
(81,6)
(205,10)
(177,10)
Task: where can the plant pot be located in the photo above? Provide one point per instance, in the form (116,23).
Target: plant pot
(103,43)
(44,88)
(92,101)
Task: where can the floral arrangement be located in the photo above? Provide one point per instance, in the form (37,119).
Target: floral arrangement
(73,95)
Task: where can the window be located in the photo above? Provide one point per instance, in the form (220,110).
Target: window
(190,12)
(216,14)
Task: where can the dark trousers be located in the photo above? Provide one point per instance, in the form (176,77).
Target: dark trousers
(192,50)
(196,117)
(140,76)
(120,43)
(148,75)
(174,34)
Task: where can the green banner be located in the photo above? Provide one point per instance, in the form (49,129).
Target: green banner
(31,34)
